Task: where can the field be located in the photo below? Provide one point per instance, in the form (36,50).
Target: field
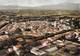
(48,12)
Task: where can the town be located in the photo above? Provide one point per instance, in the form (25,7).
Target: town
(53,35)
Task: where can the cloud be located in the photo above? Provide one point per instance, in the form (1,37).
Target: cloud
(34,3)
(8,2)
(74,1)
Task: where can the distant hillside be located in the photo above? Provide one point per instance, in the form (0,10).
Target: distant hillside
(8,8)
(58,9)
(62,6)
(47,12)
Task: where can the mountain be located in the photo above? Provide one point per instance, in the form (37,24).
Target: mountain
(62,6)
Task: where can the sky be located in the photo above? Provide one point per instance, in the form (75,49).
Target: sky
(39,2)
(35,3)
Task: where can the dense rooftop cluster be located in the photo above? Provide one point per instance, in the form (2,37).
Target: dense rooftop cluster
(39,35)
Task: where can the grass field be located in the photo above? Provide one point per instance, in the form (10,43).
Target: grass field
(47,12)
